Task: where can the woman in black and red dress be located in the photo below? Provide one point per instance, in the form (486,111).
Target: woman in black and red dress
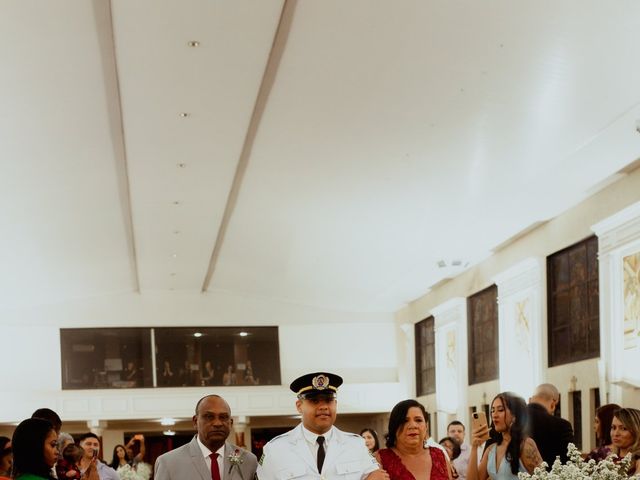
(407,456)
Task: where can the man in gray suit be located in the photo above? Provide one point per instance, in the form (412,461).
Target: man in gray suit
(208,456)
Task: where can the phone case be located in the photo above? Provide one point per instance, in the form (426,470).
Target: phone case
(480,421)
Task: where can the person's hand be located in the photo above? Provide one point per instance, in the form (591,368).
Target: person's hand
(479,435)
(139,436)
(91,473)
(70,473)
(378,475)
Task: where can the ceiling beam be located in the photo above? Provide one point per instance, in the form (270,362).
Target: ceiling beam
(268,79)
(104,28)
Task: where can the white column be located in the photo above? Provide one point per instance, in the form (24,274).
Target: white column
(619,264)
(240,428)
(97,426)
(406,353)
(520,298)
(450,319)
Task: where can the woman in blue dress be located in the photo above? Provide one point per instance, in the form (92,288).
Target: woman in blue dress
(509,451)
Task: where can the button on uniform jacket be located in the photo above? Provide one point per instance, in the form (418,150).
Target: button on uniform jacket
(187,463)
(288,457)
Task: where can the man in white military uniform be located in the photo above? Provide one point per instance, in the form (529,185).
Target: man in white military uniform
(315,448)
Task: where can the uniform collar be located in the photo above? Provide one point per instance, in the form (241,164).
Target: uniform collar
(311,437)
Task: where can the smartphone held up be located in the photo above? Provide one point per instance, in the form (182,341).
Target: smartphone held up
(478,421)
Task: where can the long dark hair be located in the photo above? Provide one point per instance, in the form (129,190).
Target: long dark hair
(115,461)
(28,447)
(398,417)
(4,452)
(518,408)
(376,444)
(605,416)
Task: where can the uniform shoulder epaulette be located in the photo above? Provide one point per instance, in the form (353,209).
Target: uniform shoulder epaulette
(282,435)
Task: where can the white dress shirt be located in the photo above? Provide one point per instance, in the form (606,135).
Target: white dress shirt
(312,440)
(207,459)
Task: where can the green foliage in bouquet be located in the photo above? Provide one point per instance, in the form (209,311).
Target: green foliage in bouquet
(577,469)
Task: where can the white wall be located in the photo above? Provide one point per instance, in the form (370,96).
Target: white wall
(564,230)
(359,346)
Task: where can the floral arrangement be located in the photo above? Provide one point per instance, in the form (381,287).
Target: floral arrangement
(577,469)
(235,459)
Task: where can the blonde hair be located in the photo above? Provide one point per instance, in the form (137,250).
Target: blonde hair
(630,418)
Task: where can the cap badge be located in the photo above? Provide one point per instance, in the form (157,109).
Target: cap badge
(320,382)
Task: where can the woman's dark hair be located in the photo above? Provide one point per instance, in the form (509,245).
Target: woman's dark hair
(115,461)
(518,408)
(5,451)
(28,447)
(456,447)
(376,445)
(398,417)
(48,414)
(605,416)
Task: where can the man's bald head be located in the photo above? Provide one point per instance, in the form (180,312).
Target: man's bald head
(546,395)
(212,396)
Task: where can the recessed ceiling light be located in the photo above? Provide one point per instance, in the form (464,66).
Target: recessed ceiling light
(176,202)
(184,114)
(169,433)
(182,165)
(197,334)
(193,43)
(174,255)
(167,421)
(243,334)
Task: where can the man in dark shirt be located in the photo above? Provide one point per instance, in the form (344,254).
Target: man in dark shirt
(552,434)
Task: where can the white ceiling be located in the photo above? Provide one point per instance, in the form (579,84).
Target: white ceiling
(332,153)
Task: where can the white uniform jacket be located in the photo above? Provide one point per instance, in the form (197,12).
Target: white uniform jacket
(288,456)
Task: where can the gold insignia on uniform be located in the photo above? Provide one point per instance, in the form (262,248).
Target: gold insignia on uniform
(261,459)
(320,382)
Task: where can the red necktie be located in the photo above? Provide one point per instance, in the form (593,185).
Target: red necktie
(215,470)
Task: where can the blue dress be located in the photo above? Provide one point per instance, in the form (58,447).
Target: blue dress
(504,472)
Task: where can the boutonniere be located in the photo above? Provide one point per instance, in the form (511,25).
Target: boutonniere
(235,459)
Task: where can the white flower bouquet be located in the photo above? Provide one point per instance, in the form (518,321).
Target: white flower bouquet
(577,469)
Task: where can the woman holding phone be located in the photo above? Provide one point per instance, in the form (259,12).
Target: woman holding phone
(35,449)
(511,451)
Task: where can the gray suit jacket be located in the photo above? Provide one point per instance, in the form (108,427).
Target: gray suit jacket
(187,463)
